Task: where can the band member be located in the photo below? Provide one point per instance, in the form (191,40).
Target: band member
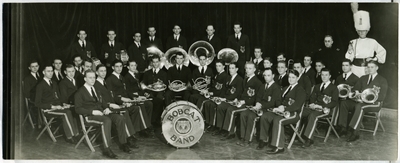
(68,85)
(282,77)
(319,65)
(372,80)
(77,60)
(268,96)
(330,55)
(178,72)
(138,53)
(110,50)
(58,74)
(48,98)
(215,42)
(258,61)
(96,61)
(152,40)
(282,57)
(247,98)
(201,72)
(89,103)
(324,95)
(304,80)
(116,84)
(345,104)
(154,75)
(240,43)
(363,49)
(82,47)
(292,100)
(177,40)
(308,70)
(267,63)
(31,80)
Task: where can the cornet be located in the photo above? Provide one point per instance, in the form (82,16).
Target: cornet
(285,114)
(319,109)
(217,100)
(259,112)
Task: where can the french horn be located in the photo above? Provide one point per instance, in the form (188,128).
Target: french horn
(177,86)
(228,55)
(369,95)
(197,49)
(157,86)
(201,83)
(344,90)
(169,57)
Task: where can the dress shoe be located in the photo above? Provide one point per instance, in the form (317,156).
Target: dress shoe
(275,151)
(353,138)
(261,145)
(109,153)
(217,133)
(229,136)
(132,142)
(245,144)
(125,148)
(240,142)
(70,140)
(342,133)
(144,134)
(308,143)
(208,129)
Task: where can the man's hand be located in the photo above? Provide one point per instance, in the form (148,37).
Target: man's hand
(97,112)
(114,106)
(107,111)
(280,108)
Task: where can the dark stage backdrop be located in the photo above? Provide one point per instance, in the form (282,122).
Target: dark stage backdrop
(46,31)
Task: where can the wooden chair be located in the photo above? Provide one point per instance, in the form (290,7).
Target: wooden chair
(88,128)
(296,131)
(48,126)
(328,120)
(377,117)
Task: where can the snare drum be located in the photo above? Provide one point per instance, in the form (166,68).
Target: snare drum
(182,124)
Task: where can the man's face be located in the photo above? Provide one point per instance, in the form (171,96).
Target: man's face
(78,61)
(319,66)
(90,78)
(111,35)
(237,28)
(307,61)
(132,66)
(137,37)
(48,72)
(202,60)
(346,67)
(325,76)
(250,69)
(280,58)
(372,68)
(292,78)
(151,31)
(87,66)
(179,59)
(232,69)
(219,66)
(96,63)
(70,72)
(156,62)
(210,30)
(328,42)
(82,35)
(267,64)
(57,64)
(257,53)
(102,72)
(362,33)
(281,68)
(34,67)
(298,67)
(176,30)
(268,76)
(117,67)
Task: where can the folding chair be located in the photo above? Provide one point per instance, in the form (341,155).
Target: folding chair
(48,123)
(377,117)
(328,120)
(28,115)
(296,130)
(88,128)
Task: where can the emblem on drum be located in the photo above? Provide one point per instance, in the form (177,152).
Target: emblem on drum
(182,124)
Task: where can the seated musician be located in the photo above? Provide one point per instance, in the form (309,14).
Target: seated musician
(68,85)
(201,72)
(304,81)
(292,100)
(152,76)
(94,105)
(345,103)
(372,80)
(181,73)
(116,84)
(319,65)
(233,90)
(247,98)
(268,95)
(282,77)
(324,96)
(48,98)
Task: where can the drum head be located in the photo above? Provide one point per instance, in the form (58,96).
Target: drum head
(182,124)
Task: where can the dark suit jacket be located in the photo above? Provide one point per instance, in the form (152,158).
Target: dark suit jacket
(47,95)
(149,77)
(185,75)
(85,103)
(59,78)
(139,55)
(156,43)
(79,79)
(305,82)
(218,86)
(317,78)
(284,82)
(270,97)
(29,89)
(133,85)
(215,42)
(67,91)
(171,42)
(235,45)
(311,73)
(234,88)
(105,48)
(107,97)
(117,87)
(317,96)
(297,94)
(197,74)
(351,80)
(249,93)
(76,49)
(378,81)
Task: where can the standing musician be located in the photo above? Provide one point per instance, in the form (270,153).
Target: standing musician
(324,96)
(240,43)
(345,103)
(319,65)
(58,74)
(89,102)
(177,40)
(268,96)
(201,72)
(82,47)
(282,78)
(137,52)
(304,80)
(152,40)
(29,88)
(110,50)
(372,80)
(247,98)
(292,100)
(48,98)
(68,85)
(258,61)
(308,70)
(214,40)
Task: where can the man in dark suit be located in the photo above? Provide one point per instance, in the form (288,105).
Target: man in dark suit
(110,50)
(29,88)
(247,98)
(324,95)
(308,70)
(241,44)
(372,80)
(268,95)
(282,77)
(152,40)
(68,85)
(215,41)
(345,103)
(331,55)
(89,102)
(201,72)
(47,98)
(82,47)
(58,73)
(304,80)
(319,65)
(177,40)
(138,53)
(77,60)
(259,62)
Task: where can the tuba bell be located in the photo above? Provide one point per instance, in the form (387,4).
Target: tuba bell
(370,95)
(169,57)
(151,51)
(228,55)
(199,48)
(344,90)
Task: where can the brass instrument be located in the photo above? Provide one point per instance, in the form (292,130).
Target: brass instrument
(201,83)
(157,86)
(169,57)
(369,95)
(319,109)
(217,100)
(290,64)
(151,51)
(344,90)
(235,103)
(259,112)
(177,86)
(201,47)
(228,55)
(285,114)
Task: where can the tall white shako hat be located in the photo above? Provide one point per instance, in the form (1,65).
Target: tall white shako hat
(361,20)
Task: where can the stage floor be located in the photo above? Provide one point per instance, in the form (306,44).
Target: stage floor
(383,146)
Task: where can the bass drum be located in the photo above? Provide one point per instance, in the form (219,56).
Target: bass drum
(182,124)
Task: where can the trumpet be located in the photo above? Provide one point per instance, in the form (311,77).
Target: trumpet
(259,112)
(235,103)
(319,109)
(285,114)
(344,90)
(217,100)
(369,95)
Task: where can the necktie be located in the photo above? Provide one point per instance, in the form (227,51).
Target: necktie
(266,87)
(112,45)
(37,76)
(138,44)
(323,87)
(237,37)
(51,84)
(370,80)
(176,37)
(152,39)
(280,78)
(202,70)
(288,90)
(209,38)
(154,71)
(120,78)
(318,74)
(58,76)
(345,77)
(83,45)
(73,82)
(105,85)
(231,80)
(94,95)
(62,77)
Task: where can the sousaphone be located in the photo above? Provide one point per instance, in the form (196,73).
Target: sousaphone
(170,55)
(199,48)
(228,55)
